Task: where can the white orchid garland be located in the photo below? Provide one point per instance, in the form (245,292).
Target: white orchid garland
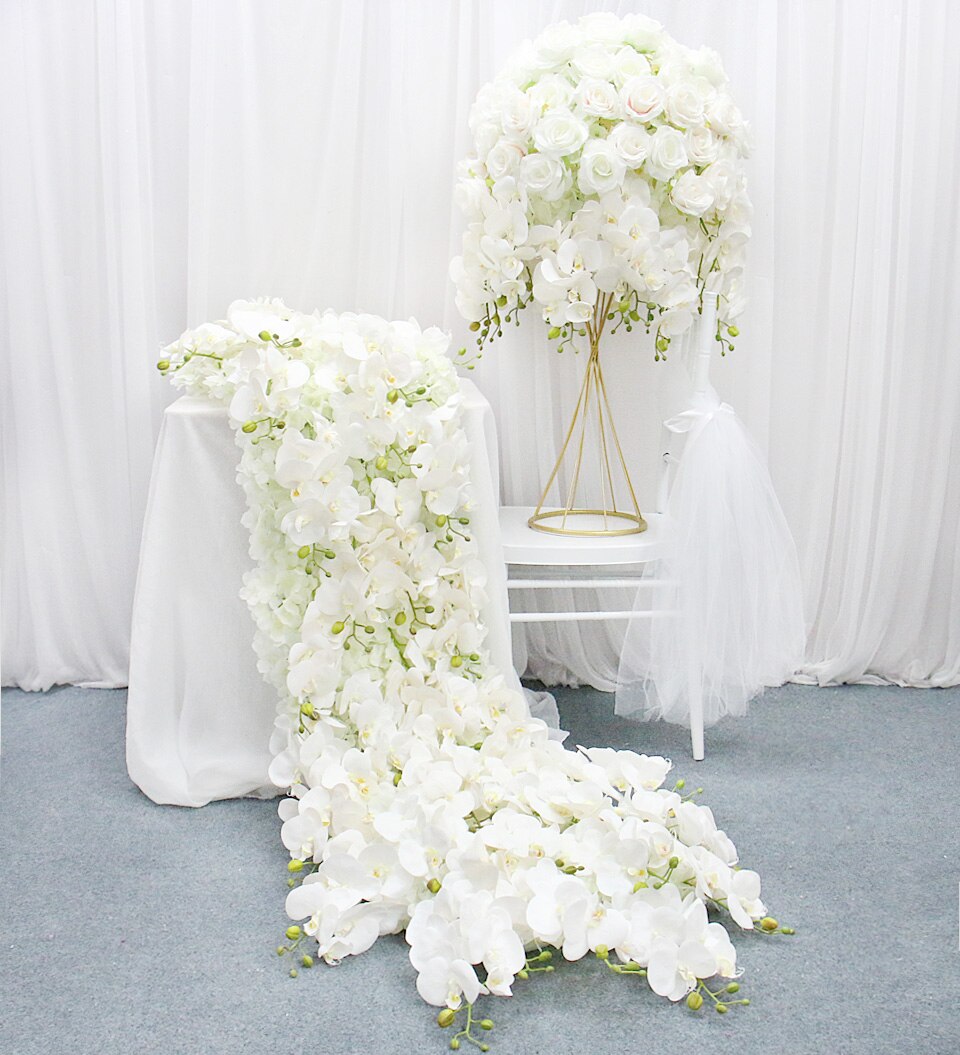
(607,181)
(423,796)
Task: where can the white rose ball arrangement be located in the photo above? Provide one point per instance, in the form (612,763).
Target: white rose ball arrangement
(607,183)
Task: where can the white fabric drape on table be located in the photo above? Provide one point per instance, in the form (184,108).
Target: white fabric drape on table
(161,160)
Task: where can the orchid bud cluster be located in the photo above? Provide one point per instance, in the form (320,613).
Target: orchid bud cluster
(423,797)
(607,168)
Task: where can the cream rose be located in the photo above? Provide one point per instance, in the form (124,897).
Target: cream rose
(642,98)
(684,104)
(543,176)
(692,194)
(631,142)
(601,167)
(702,146)
(503,159)
(559,133)
(599,97)
(667,153)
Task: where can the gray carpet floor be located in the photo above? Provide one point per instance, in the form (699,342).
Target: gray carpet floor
(134,928)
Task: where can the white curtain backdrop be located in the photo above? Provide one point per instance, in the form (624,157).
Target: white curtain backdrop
(162,159)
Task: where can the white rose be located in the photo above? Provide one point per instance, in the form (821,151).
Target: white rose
(627,63)
(603,27)
(684,104)
(598,97)
(644,33)
(601,167)
(702,146)
(551,93)
(593,60)
(642,98)
(705,62)
(517,114)
(631,143)
(503,159)
(692,194)
(543,176)
(724,181)
(668,152)
(723,116)
(556,44)
(559,133)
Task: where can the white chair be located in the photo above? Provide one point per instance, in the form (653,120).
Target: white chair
(540,561)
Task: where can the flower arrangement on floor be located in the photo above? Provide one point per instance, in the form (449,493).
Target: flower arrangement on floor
(607,186)
(423,797)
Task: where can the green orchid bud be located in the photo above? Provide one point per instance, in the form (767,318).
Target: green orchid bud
(368,629)
(248,427)
(295,865)
(484,1047)
(293,932)
(307,709)
(400,618)
(554,332)
(163,364)
(623,307)
(486,1023)
(662,344)
(381,463)
(411,448)
(522,974)
(396,779)
(307,961)
(429,609)
(303,551)
(787,930)
(474,656)
(681,784)
(639,885)
(545,956)
(441,520)
(501,301)
(434,886)
(296,342)
(393,395)
(602,952)
(694,1001)
(280,425)
(281,949)
(474,326)
(456,661)
(721,1009)
(733,987)
(769,924)
(338,627)
(731,346)
(548,970)
(674,862)
(446,1018)
(733,331)
(264,335)
(293,972)
(455,1044)
(635,316)
(462,351)
(329,554)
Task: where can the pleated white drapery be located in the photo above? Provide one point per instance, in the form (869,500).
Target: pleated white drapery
(161,160)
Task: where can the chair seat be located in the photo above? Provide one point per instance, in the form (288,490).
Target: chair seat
(523,544)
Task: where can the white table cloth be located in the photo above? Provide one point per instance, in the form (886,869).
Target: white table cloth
(199,715)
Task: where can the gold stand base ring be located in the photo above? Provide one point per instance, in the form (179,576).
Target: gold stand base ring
(637,523)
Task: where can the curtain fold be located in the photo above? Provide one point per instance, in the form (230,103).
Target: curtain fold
(162,160)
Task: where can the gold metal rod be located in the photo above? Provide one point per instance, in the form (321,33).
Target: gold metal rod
(605,455)
(572,493)
(616,440)
(563,449)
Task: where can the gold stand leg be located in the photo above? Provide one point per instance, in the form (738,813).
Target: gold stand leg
(592,401)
